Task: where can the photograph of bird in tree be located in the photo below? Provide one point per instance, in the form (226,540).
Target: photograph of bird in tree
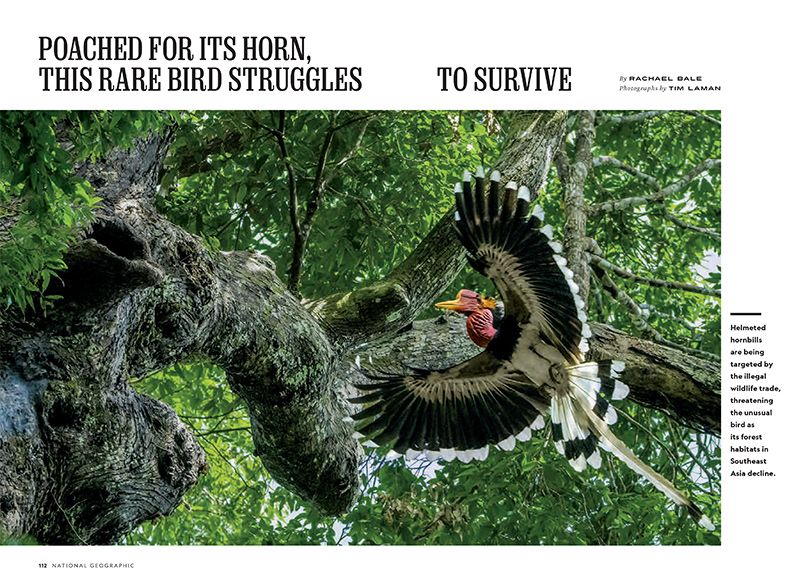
(237,327)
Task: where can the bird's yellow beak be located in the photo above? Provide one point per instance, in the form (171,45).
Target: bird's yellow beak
(453,305)
(466,304)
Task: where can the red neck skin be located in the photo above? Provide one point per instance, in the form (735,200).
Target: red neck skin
(480,328)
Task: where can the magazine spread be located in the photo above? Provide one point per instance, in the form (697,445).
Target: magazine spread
(293,290)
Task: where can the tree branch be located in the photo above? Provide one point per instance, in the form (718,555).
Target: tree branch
(607,266)
(573,174)
(651,181)
(631,118)
(279,135)
(702,230)
(703,116)
(659,196)
(304,228)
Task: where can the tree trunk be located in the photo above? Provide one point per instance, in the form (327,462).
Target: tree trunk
(85,458)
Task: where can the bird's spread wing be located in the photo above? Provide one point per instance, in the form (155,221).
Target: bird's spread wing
(451,413)
(485,400)
(516,252)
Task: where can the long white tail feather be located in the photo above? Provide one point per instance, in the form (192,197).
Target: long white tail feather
(571,432)
(576,414)
(623,453)
(588,378)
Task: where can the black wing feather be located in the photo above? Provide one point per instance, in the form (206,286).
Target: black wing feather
(468,406)
(517,255)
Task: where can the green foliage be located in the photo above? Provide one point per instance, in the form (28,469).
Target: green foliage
(6,540)
(227,181)
(42,203)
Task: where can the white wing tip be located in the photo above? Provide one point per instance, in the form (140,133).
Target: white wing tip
(495,177)
(524,194)
(511,185)
(706,523)
(538,212)
(467,176)
(507,444)
(547,230)
(524,435)
(448,454)
(458,216)
(464,456)
(458,188)
(479,172)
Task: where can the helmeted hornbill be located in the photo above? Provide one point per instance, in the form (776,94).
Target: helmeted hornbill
(533,362)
